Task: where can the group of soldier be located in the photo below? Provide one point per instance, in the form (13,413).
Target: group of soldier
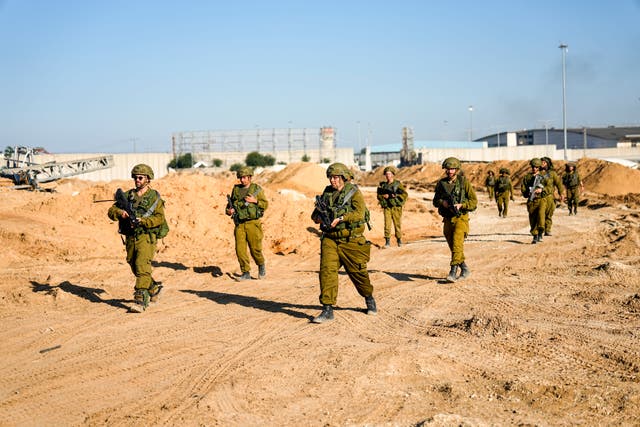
(342,215)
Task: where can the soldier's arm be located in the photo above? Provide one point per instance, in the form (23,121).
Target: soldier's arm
(358,205)
(472,200)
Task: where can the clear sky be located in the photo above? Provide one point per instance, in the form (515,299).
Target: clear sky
(103,76)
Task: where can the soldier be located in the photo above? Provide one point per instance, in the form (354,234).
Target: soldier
(553,182)
(533,188)
(341,211)
(455,198)
(246,206)
(504,192)
(392,196)
(141,226)
(574,186)
(490,182)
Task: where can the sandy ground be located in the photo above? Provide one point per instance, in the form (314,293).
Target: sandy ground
(541,334)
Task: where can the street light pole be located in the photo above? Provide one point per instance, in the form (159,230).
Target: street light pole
(470,123)
(564,97)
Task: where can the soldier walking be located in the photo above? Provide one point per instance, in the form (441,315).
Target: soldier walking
(141,221)
(533,188)
(341,211)
(553,182)
(504,192)
(574,186)
(246,206)
(490,182)
(392,196)
(455,198)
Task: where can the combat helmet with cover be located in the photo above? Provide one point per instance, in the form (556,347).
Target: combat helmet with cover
(391,169)
(142,169)
(451,163)
(535,162)
(505,171)
(244,171)
(339,169)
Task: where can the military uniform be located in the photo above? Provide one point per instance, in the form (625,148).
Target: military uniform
(490,182)
(553,182)
(536,201)
(392,206)
(344,244)
(142,236)
(573,185)
(248,227)
(503,192)
(455,226)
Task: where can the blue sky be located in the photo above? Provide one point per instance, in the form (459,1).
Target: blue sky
(89,76)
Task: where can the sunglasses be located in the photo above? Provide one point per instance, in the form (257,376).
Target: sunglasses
(139,177)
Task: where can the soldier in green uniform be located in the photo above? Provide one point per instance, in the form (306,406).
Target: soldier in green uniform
(490,182)
(392,195)
(455,198)
(553,182)
(574,186)
(341,213)
(246,206)
(533,188)
(141,233)
(504,192)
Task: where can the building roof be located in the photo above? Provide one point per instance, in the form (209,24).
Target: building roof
(394,148)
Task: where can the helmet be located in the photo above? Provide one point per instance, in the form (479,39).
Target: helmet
(391,169)
(504,170)
(339,169)
(244,171)
(451,163)
(142,169)
(536,162)
(549,162)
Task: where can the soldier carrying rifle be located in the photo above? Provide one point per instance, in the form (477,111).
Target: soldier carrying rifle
(392,196)
(455,198)
(533,188)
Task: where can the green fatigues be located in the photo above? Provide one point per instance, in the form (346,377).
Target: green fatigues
(553,182)
(248,229)
(536,206)
(572,183)
(504,193)
(455,228)
(392,206)
(490,182)
(141,242)
(344,245)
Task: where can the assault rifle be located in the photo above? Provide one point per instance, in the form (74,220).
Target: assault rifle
(391,191)
(234,215)
(126,225)
(325,214)
(537,183)
(452,204)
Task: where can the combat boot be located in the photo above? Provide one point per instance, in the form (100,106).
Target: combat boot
(452,274)
(244,276)
(262,271)
(371,305)
(326,315)
(465,271)
(540,236)
(399,242)
(387,242)
(141,298)
(154,291)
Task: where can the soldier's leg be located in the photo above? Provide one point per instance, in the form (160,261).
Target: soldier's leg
(355,255)
(142,251)
(460,232)
(505,204)
(500,204)
(397,222)
(447,230)
(240,234)
(254,238)
(329,265)
(541,216)
(387,222)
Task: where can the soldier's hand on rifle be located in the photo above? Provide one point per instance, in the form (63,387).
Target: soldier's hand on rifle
(251,199)
(336,221)
(231,211)
(385,196)
(124,214)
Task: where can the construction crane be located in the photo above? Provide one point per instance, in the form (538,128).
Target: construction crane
(27,174)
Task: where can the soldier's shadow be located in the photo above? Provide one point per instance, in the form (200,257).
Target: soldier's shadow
(90,294)
(408,277)
(214,270)
(265,305)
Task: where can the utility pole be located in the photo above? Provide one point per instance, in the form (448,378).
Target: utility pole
(564,48)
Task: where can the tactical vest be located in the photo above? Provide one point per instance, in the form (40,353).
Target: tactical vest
(144,208)
(456,192)
(246,211)
(340,204)
(571,180)
(390,188)
(502,184)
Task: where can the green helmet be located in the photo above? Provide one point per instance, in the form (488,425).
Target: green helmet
(535,162)
(142,169)
(504,170)
(451,163)
(244,171)
(339,169)
(391,169)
